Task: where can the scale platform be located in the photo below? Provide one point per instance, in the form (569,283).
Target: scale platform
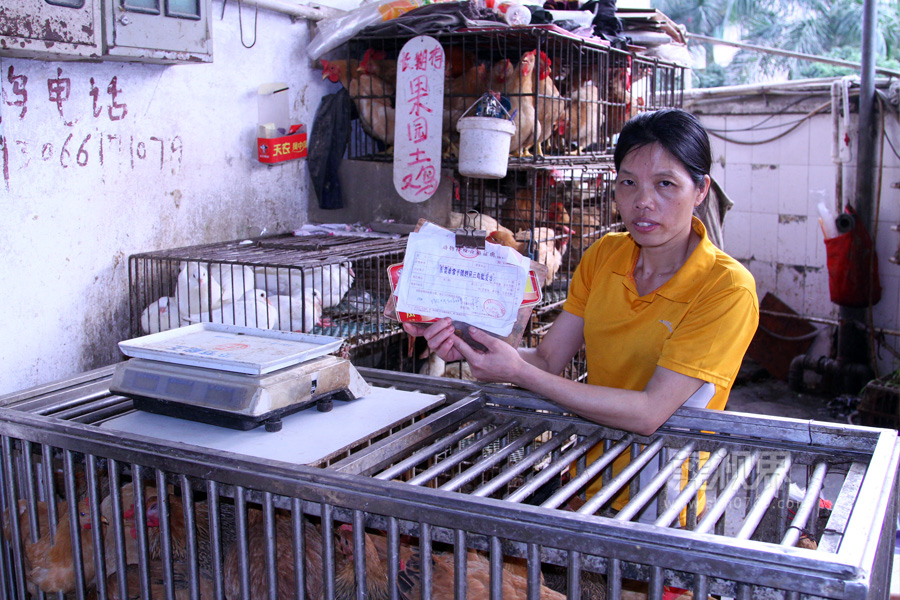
(234,377)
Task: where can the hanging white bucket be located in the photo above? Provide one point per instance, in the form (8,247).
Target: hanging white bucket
(484,146)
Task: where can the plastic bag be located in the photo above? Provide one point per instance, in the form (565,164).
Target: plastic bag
(335,31)
(848,258)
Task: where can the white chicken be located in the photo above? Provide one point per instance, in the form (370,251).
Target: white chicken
(196,291)
(548,247)
(254,309)
(161,315)
(300,312)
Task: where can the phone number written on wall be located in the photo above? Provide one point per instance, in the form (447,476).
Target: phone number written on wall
(75,150)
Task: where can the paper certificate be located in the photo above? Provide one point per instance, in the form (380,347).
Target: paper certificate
(483,288)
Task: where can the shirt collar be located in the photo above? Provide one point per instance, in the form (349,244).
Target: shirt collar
(683,285)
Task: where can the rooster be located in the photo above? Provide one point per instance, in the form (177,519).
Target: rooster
(586,117)
(551,107)
(344,71)
(372,96)
(374,62)
(443,584)
(521,98)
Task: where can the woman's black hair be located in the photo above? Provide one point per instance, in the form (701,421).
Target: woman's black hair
(676,130)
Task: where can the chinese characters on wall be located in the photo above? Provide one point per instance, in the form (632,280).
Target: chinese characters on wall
(27,97)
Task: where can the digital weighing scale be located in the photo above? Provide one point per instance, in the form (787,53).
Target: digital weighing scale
(236,377)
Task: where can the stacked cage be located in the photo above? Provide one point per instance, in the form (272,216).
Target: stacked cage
(319,284)
(569,98)
(478,497)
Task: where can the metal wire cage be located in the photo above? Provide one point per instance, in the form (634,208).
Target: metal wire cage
(576,97)
(328,285)
(483,492)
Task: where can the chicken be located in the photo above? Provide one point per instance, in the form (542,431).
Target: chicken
(284,554)
(586,117)
(180,579)
(49,561)
(551,108)
(409,576)
(457,61)
(500,74)
(462,92)
(344,71)
(548,248)
(375,62)
(522,211)
(485,222)
(372,96)
(558,214)
(520,89)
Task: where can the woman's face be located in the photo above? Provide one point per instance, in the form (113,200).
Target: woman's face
(656,196)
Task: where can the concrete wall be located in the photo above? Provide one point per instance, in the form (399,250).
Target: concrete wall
(167,160)
(776,186)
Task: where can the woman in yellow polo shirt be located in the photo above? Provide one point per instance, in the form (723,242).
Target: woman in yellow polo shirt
(661,311)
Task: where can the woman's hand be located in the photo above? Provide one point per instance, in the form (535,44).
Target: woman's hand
(501,362)
(439,335)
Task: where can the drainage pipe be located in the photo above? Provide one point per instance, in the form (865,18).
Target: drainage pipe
(838,377)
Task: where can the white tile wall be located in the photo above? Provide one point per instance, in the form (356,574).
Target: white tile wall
(790,281)
(793,149)
(793,189)
(737,234)
(792,234)
(765,276)
(817,300)
(764,236)
(764,179)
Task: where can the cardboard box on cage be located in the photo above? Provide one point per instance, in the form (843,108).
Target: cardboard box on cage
(292,146)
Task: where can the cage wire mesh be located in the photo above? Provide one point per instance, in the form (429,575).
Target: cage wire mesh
(320,284)
(497,473)
(568,96)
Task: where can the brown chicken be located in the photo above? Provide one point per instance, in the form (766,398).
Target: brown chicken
(409,576)
(500,75)
(374,62)
(520,90)
(372,96)
(462,92)
(340,71)
(586,117)
(181,587)
(49,561)
(522,211)
(177,528)
(284,560)
(551,111)
(485,222)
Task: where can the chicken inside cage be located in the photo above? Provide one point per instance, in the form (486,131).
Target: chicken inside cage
(567,98)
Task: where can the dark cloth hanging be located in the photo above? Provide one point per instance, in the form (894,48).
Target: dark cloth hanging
(440,17)
(330,134)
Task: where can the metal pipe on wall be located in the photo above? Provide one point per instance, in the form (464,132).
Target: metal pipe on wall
(852,345)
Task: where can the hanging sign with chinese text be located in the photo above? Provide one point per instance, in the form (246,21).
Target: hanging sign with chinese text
(417,133)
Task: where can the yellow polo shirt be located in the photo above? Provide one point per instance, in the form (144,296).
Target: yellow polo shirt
(699,323)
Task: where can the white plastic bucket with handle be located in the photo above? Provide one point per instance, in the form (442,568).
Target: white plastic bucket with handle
(484,146)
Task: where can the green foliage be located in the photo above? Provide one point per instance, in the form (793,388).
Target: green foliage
(829,28)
